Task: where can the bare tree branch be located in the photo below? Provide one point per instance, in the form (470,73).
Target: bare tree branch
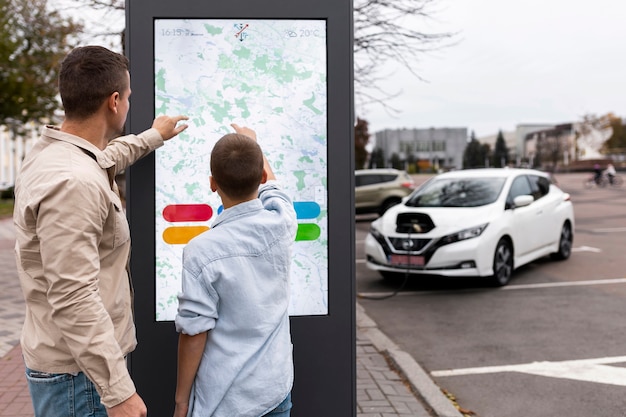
(386,32)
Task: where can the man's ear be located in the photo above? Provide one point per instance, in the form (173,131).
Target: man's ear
(112,101)
(213,184)
(264,177)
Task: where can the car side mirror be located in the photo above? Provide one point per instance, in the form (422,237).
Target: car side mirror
(522,200)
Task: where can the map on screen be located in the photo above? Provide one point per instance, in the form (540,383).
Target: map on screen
(271,76)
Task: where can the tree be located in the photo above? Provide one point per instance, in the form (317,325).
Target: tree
(104,20)
(475,154)
(361,139)
(33,41)
(377,158)
(617,141)
(501,152)
(396,161)
(386,31)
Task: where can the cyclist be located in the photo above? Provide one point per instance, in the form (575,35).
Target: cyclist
(597,173)
(610,173)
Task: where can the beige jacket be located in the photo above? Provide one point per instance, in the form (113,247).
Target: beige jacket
(72,251)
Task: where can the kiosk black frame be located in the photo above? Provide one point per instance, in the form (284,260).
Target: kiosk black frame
(324,346)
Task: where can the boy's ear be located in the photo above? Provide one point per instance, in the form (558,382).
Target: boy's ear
(264,177)
(213,184)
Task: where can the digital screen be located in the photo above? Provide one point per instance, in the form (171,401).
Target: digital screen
(269,75)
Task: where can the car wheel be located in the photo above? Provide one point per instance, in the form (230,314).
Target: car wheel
(387,205)
(565,243)
(502,263)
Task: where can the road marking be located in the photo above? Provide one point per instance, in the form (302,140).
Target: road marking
(586,249)
(588,370)
(565,284)
(611,230)
(508,287)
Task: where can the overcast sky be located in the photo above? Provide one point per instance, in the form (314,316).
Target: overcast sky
(515,62)
(530,61)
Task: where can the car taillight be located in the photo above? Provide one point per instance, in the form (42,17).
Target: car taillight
(566,197)
(408,185)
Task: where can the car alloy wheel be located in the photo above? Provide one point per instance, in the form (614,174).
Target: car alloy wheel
(565,243)
(502,263)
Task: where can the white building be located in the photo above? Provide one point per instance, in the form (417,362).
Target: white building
(12,151)
(437,148)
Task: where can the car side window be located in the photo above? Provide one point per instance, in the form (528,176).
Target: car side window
(540,186)
(519,187)
(387,177)
(368,179)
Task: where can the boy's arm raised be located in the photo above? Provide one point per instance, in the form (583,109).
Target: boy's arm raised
(246,131)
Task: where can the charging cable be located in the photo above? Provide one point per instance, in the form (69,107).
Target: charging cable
(407,272)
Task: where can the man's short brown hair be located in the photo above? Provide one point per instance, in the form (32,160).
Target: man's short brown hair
(89,75)
(237,165)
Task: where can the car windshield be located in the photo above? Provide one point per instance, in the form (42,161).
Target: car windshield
(457,192)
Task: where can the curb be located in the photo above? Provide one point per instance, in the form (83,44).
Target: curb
(418,379)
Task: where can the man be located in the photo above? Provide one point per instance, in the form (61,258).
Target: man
(73,243)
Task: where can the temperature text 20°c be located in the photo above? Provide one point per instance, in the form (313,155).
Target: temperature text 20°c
(304,33)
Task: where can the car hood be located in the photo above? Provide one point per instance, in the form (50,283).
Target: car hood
(446,220)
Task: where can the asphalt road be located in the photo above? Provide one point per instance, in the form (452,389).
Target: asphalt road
(551,343)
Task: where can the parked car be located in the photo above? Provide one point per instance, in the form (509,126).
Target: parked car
(378,189)
(482,222)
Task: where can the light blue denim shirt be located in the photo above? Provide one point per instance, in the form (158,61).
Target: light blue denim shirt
(236,284)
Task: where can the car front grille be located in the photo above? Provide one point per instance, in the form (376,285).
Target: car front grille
(405,244)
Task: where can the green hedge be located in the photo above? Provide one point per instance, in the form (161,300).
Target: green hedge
(6,208)
(7,194)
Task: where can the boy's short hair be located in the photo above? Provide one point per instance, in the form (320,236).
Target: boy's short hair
(88,75)
(237,165)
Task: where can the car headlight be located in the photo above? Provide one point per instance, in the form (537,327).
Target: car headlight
(374,232)
(465,234)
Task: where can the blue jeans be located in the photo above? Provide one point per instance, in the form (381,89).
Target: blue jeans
(283,409)
(63,395)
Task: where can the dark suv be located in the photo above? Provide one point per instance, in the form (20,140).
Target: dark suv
(378,189)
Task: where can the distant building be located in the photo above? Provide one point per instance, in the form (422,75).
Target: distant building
(522,131)
(434,148)
(13,148)
(516,141)
(548,148)
(560,144)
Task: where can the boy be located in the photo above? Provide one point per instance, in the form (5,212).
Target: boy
(234,352)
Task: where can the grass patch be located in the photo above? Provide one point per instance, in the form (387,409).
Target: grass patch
(6,208)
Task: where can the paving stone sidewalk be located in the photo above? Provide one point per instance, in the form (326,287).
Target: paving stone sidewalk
(389,384)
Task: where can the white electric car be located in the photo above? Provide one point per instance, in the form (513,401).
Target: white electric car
(479,222)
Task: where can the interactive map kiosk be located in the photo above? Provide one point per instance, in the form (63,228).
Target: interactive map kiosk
(283,68)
